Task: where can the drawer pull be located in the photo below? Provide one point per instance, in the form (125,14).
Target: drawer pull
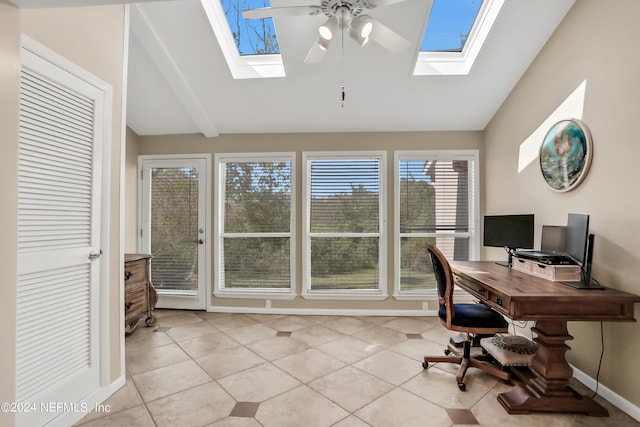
(127,306)
(128,275)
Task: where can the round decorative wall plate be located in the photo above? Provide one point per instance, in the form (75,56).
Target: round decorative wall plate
(565,154)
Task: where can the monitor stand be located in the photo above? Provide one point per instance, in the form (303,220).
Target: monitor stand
(509,262)
(582,285)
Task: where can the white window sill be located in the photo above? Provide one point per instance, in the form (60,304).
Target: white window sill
(415,296)
(255,294)
(352,296)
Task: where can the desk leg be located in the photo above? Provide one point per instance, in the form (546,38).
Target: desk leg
(547,388)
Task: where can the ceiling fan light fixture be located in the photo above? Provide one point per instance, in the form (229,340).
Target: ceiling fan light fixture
(323,43)
(361,28)
(328,29)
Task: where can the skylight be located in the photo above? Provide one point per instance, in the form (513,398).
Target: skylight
(250,47)
(454,35)
(449,25)
(251,36)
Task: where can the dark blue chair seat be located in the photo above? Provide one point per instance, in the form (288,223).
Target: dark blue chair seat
(472,315)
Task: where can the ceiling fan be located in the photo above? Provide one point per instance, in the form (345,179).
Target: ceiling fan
(343,15)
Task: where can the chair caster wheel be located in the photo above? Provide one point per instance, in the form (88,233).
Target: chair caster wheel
(425,365)
(447,352)
(462,386)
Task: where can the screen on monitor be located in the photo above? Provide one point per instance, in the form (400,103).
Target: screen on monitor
(577,237)
(511,231)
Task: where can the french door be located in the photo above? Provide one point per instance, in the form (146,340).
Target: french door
(173,216)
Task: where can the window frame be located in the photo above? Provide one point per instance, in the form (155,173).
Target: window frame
(348,294)
(240,66)
(439,63)
(220,234)
(474,213)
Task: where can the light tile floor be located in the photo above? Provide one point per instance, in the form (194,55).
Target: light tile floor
(214,369)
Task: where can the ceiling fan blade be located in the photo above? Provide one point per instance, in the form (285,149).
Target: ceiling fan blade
(315,55)
(388,38)
(377,3)
(272,12)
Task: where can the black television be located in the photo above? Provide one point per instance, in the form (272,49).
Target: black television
(510,232)
(579,247)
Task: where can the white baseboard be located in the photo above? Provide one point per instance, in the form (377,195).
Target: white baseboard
(609,395)
(91,401)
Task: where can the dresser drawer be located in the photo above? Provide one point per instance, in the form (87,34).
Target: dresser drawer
(135,273)
(135,301)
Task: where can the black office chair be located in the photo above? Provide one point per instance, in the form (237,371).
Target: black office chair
(470,319)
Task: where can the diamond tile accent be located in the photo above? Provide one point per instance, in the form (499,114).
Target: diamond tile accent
(462,416)
(245,409)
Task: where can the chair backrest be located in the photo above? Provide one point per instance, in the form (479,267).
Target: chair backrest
(444,280)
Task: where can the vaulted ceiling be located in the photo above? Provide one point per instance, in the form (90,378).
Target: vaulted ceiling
(179,81)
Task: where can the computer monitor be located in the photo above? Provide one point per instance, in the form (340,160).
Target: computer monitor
(579,247)
(510,232)
(577,237)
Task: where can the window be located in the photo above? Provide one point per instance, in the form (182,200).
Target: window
(250,47)
(449,25)
(344,241)
(251,36)
(435,203)
(255,210)
(454,35)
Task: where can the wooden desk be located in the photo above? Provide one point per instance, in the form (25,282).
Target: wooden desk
(520,296)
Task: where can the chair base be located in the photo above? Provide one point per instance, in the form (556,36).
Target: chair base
(466,360)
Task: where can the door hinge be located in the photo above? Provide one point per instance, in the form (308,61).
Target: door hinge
(141,173)
(141,232)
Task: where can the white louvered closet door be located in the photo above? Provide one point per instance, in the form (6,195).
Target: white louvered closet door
(58,239)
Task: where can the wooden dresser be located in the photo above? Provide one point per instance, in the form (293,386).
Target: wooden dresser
(140,297)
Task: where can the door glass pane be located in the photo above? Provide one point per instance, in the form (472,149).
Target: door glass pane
(174,228)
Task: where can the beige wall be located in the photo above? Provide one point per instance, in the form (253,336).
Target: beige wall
(597,43)
(185,144)
(9,88)
(93,38)
(131,193)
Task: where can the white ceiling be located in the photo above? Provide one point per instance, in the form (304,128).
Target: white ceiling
(179,81)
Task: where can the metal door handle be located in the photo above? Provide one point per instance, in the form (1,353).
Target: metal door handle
(95,255)
(199,241)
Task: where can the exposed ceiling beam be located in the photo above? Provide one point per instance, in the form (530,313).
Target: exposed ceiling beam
(148,37)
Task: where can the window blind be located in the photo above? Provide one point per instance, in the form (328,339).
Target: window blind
(174,227)
(344,209)
(256,237)
(434,196)
(345,195)
(436,205)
